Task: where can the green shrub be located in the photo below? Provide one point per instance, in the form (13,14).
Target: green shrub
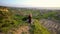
(37,28)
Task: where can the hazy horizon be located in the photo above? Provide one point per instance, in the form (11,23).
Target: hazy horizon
(30,3)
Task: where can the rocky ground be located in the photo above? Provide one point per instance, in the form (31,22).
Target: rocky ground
(54,27)
(22,30)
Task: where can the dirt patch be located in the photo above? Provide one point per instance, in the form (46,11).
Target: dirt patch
(22,30)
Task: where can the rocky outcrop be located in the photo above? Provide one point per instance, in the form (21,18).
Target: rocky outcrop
(54,27)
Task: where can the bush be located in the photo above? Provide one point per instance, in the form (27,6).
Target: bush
(37,28)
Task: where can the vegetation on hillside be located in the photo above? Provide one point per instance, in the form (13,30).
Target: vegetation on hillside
(13,18)
(37,28)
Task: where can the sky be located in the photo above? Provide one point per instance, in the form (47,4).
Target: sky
(30,3)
